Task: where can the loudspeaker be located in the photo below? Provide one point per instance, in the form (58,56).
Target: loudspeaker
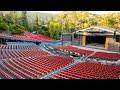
(114,34)
(75,35)
(117,38)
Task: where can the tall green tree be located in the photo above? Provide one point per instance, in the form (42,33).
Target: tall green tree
(3,26)
(17,29)
(24,21)
(38,25)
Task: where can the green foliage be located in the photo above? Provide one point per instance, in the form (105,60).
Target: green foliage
(24,21)
(54,30)
(39,27)
(17,29)
(3,26)
(52,25)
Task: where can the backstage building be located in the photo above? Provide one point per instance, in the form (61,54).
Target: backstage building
(97,36)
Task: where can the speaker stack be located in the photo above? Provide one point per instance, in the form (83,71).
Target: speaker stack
(75,35)
(117,38)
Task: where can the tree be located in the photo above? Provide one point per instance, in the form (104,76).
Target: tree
(112,22)
(38,25)
(24,21)
(17,29)
(51,28)
(57,30)
(54,29)
(3,26)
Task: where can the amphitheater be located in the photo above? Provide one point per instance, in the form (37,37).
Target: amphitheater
(39,57)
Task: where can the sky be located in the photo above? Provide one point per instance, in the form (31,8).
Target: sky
(102,12)
(94,12)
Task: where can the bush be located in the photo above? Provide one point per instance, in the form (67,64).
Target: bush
(3,27)
(17,29)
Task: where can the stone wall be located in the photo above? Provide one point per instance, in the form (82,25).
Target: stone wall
(66,37)
(70,37)
(76,41)
(113,45)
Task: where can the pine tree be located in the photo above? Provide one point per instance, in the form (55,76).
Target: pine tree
(24,20)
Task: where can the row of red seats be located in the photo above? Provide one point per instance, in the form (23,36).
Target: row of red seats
(10,71)
(6,54)
(38,36)
(29,37)
(17,71)
(102,55)
(106,55)
(17,37)
(5,74)
(75,50)
(19,47)
(32,67)
(89,70)
(28,34)
(21,37)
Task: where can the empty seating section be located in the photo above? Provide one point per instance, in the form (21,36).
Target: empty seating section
(16,51)
(19,47)
(37,37)
(32,67)
(15,75)
(28,36)
(89,70)
(75,50)
(44,37)
(30,62)
(21,43)
(5,74)
(101,55)
(107,56)
(5,54)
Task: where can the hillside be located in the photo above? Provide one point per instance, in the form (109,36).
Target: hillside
(44,16)
(83,19)
(72,21)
